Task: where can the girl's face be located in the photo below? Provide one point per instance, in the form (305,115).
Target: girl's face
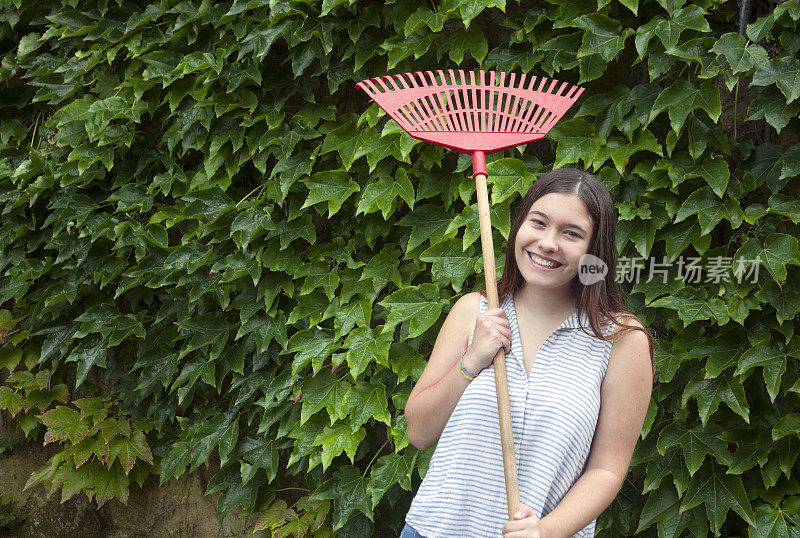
(558,228)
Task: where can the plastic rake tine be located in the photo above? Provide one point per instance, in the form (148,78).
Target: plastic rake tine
(470,114)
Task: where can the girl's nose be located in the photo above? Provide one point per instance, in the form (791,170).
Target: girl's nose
(548,242)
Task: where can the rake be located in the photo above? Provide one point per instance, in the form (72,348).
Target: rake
(466,113)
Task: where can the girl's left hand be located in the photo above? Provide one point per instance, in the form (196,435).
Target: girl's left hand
(524,525)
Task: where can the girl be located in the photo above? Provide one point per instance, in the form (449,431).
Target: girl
(580,369)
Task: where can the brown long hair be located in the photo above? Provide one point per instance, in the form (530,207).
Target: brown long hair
(601,299)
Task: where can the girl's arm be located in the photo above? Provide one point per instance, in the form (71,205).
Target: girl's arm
(441,384)
(624,399)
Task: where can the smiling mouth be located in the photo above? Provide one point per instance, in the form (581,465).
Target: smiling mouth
(544,264)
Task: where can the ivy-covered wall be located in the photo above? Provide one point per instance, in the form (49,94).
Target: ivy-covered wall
(214,250)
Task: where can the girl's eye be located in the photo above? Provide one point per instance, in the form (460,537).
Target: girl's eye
(540,223)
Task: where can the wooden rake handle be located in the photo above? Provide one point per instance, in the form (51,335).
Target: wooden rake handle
(501,380)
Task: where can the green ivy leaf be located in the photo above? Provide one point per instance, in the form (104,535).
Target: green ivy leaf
(508,178)
(662,506)
(695,444)
(450,263)
(682,235)
(365,346)
(405,362)
(667,365)
(115,485)
(620,150)
(790,165)
(772,521)
(175,463)
(773,361)
(228,480)
(261,454)
(319,275)
(127,451)
(427,222)
(420,305)
(382,269)
(249,224)
(682,97)
(329,5)
(787,425)
(161,64)
(709,211)
(604,36)
(740,56)
(209,329)
(783,71)
(337,439)
(714,170)
(669,463)
(312,345)
(758,30)
(710,393)
(354,313)
(400,48)
(28,44)
(718,353)
(381,195)
(71,481)
(691,305)
(365,402)
(348,141)
(792,9)
(577,140)
(64,422)
(266,329)
(780,250)
(389,470)
(688,18)
(323,390)
(458,42)
(348,490)
(644,34)
(769,103)
(470,10)
(632,5)
(378,148)
(424,17)
(11,400)
(698,50)
(309,307)
(720,493)
(88,353)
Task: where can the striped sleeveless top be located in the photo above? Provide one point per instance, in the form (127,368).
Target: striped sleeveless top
(553,417)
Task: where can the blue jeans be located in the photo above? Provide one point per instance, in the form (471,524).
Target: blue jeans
(410,532)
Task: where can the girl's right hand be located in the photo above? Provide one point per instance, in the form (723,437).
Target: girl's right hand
(492,331)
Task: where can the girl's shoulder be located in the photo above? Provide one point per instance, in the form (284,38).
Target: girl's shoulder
(471,302)
(618,329)
(466,309)
(462,316)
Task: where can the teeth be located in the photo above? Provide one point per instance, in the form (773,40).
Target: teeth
(540,261)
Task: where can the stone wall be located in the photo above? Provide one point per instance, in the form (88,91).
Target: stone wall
(177,508)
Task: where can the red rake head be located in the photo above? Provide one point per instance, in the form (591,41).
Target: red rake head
(469,115)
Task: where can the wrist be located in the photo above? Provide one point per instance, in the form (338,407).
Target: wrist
(545,529)
(468,362)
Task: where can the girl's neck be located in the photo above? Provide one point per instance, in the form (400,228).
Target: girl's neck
(545,302)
